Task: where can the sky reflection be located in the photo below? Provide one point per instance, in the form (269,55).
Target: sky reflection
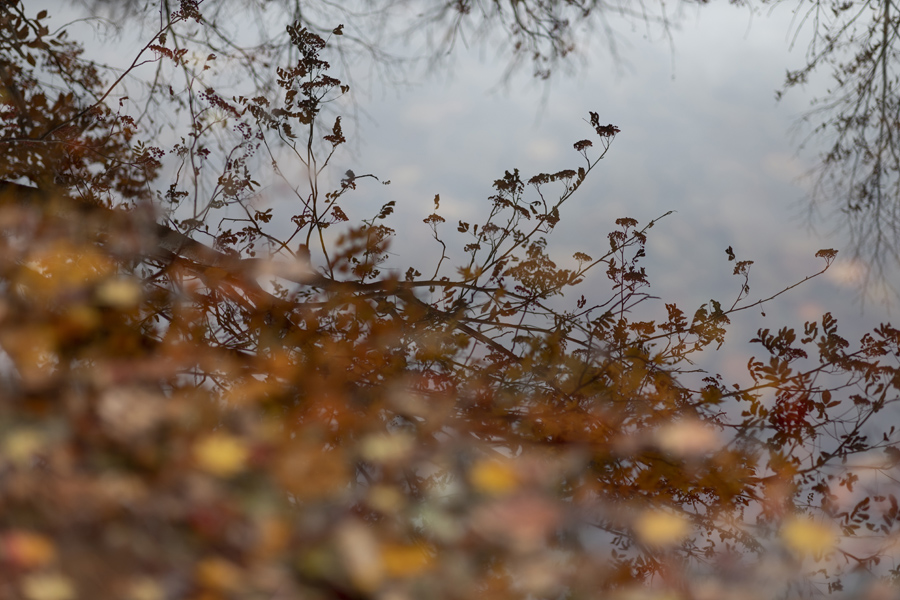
(702,135)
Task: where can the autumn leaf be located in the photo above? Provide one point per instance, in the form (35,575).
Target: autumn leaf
(807,537)
(26,549)
(20,445)
(688,438)
(218,574)
(491,476)
(661,528)
(119,293)
(401,560)
(221,454)
(48,586)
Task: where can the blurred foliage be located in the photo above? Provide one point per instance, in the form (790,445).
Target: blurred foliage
(207,398)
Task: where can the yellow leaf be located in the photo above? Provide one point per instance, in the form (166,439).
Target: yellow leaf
(47,586)
(688,438)
(493,477)
(221,454)
(119,293)
(805,536)
(404,561)
(218,574)
(385,499)
(661,528)
(386,448)
(20,446)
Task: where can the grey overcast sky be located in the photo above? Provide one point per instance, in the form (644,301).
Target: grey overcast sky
(702,135)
